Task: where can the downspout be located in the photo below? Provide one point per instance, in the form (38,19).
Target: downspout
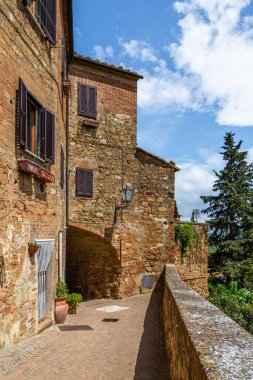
(67,155)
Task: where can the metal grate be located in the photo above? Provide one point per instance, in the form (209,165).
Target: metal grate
(110,320)
(75,328)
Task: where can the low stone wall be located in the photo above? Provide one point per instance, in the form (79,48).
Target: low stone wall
(201,341)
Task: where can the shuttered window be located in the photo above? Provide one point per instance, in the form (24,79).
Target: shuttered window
(84,182)
(45,13)
(87,101)
(62,168)
(36,126)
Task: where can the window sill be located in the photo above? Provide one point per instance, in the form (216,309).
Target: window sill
(34,155)
(90,123)
(84,197)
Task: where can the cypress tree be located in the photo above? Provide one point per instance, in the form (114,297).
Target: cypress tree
(230,207)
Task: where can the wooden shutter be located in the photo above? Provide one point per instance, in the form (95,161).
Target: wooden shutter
(49,136)
(42,133)
(62,167)
(92,102)
(22,133)
(80,180)
(87,100)
(48,19)
(82,99)
(88,183)
(84,182)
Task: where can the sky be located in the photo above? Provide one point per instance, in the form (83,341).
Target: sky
(196,57)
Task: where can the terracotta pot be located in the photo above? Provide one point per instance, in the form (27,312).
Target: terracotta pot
(32,249)
(61,310)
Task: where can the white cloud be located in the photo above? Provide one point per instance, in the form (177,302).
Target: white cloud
(250,155)
(212,159)
(138,49)
(196,179)
(192,181)
(164,90)
(103,53)
(216,48)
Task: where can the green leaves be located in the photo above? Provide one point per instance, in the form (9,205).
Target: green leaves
(74,299)
(236,302)
(185,235)
(230,207)
(61,289)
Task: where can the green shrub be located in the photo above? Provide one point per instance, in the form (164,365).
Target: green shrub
(74,299)
(185,234)
(236,302)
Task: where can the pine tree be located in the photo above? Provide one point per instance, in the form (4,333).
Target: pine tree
(231,206)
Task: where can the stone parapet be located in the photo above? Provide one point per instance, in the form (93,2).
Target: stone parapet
(201,341)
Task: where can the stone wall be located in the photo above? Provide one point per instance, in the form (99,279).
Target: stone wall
(193,265)
(26,212)
(202,342)
(143,236)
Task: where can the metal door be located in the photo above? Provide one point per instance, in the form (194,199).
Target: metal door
(44,256)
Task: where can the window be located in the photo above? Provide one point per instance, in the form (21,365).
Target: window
(84,182)
(33,127)
(44,12)
(87,101)
(36,126)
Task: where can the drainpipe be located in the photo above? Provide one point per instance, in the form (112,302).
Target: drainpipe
(67,157)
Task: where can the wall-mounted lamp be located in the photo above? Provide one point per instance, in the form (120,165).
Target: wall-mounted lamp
(126,195)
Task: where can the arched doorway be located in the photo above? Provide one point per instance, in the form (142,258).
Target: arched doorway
(92,265)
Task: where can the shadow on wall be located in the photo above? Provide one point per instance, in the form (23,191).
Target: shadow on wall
(152,362)
(92,265)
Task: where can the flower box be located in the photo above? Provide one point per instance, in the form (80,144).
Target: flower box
(29,167)
(44,175)
(35,170)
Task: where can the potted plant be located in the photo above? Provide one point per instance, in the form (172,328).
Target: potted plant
(32,247)
(73,300)
(61,306)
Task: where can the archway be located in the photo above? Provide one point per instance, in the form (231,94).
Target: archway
(92,265)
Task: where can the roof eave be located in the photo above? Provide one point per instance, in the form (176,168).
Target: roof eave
(82,60)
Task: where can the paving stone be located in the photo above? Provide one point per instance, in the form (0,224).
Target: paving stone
(130,349)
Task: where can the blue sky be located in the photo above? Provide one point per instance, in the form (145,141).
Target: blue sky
(197,60)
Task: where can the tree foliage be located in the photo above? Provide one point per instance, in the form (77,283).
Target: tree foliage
(230,212)
(230,207)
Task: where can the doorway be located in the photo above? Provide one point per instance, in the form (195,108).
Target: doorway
(44,278)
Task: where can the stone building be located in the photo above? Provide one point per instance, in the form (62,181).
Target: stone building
(112,251)
(35,44)
(61,113)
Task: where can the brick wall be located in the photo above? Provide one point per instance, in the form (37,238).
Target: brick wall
(26,213)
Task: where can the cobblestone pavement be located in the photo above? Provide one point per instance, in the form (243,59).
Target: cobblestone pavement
(130,349)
